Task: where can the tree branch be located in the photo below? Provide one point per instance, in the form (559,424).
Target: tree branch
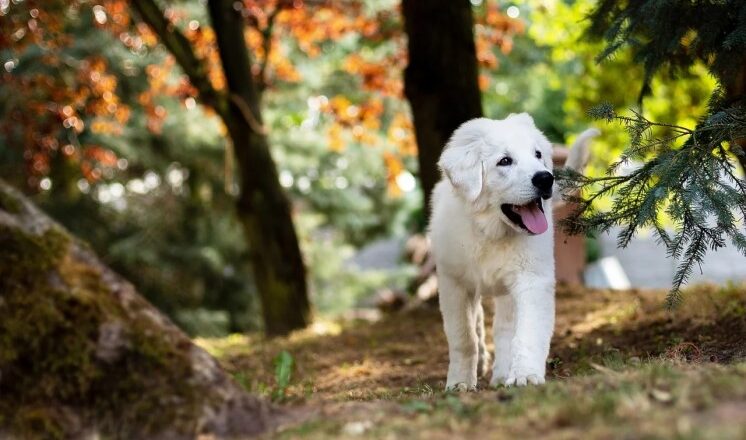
(267,42)
(247,114)
(181,49)
(266,33)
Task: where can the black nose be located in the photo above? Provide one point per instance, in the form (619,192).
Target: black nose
(543,180)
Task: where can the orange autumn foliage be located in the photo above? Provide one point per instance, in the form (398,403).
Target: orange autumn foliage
(55,108)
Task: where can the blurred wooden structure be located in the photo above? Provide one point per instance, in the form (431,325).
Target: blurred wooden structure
(569,251)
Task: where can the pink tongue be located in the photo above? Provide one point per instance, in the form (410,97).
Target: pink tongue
(533,218)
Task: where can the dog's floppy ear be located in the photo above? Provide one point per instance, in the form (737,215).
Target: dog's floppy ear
(461,160)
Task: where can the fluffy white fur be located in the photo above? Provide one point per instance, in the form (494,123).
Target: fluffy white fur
(480,252)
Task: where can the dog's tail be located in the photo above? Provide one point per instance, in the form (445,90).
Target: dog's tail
(580,152)
(577,159)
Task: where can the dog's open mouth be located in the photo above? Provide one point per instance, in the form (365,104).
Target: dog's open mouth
(529,216)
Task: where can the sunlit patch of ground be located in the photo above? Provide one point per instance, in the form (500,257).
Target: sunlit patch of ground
(363,361)
(621,365)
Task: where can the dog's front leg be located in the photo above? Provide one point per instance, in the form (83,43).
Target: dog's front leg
(459,319)
(534,323)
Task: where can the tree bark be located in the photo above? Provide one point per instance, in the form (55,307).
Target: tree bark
(82,354)
(735,92)
(441,81)
(742,157)
(263,208)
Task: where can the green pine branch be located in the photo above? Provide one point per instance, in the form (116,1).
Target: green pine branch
(688,174)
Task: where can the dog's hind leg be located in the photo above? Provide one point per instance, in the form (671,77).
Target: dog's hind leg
(503,329)
(458,307)
(484,356)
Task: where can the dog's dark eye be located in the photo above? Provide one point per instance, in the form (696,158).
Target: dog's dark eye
(505,161)
(538,154)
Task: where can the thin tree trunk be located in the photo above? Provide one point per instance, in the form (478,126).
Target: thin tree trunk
(742,158)
(441,81)
(735,90)
(263,207)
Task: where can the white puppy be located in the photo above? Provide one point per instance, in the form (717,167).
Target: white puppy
(492,235)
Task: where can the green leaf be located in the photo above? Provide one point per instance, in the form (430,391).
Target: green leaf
(283,363)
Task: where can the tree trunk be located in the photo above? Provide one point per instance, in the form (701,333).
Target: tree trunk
(441,81)
(263,207)
(735,92)
(742,157)
(82,354)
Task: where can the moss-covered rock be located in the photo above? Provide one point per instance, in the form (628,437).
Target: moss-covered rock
(25,255)
(81,352)
(8,203)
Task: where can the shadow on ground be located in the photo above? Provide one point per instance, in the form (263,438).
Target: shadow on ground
(405,354)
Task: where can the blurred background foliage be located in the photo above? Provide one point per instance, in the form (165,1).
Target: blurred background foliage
(553,74)
(100,125)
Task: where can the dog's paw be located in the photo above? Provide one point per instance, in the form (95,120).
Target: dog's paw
(500,369)
(523,380)
(460,387)
(526,367)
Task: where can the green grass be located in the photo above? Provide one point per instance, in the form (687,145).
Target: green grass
(659,399)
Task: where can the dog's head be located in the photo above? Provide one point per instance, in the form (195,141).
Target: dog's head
(503,165)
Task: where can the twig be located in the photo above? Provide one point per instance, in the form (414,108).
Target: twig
(248,115)
(604,370)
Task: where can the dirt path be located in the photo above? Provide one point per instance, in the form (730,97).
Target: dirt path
(363,361)
(602,337)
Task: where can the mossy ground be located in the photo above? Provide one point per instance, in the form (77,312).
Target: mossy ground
(621,366)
